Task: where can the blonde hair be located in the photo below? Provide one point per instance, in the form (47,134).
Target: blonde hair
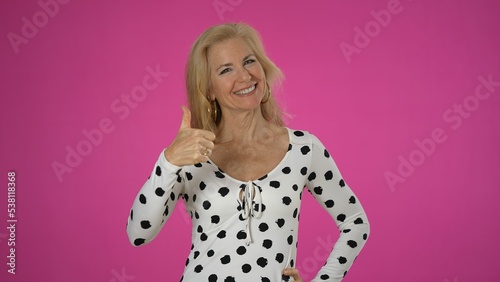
(198,74)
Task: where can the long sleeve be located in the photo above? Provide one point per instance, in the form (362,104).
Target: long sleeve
(155,202)
(329,188)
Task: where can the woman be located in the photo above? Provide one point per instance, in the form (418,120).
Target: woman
(241,172)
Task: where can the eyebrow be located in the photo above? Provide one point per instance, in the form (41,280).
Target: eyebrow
(230,64)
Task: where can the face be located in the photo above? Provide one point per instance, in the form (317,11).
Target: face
(237,78)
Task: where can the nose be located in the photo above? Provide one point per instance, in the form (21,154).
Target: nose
(244,75)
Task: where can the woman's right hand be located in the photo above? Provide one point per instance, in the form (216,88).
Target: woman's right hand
(191,145)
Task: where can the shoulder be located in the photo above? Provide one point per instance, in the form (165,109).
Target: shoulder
(298,136)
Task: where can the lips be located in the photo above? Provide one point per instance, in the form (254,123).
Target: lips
(246,91)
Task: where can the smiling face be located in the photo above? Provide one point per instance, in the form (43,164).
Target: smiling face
(236,77)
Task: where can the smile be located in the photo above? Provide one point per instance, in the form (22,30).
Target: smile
(245,91)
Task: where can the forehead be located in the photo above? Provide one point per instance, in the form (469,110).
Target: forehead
(228,50)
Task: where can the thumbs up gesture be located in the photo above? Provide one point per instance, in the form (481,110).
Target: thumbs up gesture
(191,145)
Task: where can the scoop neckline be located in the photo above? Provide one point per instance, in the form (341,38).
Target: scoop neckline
(266,175)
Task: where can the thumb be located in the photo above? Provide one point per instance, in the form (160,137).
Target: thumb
(186,118)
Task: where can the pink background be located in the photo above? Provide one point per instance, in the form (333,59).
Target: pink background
(436,222)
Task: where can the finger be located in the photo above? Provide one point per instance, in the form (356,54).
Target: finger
(292,272)
(206,143)
(186,118)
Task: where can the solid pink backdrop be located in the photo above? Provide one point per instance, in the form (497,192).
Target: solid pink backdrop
(405,95)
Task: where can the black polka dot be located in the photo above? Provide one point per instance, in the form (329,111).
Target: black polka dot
(131,214)
(199,229)
(286,200)
(289,239)
(275,184)
(285,278)
(159,192)
(142,199)
(280,222)
(189,176)
(262,207)
(305,150)
(172,196)
(324,277)
(196,254)
(223,191)
(262,262)
(196,215)
(203,237)
(221,234)
(225,259)
(264,279)
(303,171)
(358,221)
(219,174)
(194,198)
(145,224)
(329,175)
(212,278)
(241,250)
(345,273)
(263,227)
(139,241)
(263,177)
(286,170)
(158,171)
(352,200)
(341,217)
(342,260)
(295,212)
(186,197)
(298,133)
(246,268)
(365,236)
(318,190)
(215,219)
(341,183)
(352,244)
(210,253)
(198,165)
(280,257)
(198,268)
(202,185)
(267,243)
(241,235)
(289,147)
(329,203)
(206,205)
(312,176)
(292,263)
(327,155)
(295,187)
(346,230)
(229,279)
(187,262)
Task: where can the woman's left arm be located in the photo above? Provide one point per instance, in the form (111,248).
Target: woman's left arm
(329,188)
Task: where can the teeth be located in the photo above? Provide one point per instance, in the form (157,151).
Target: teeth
(245,91)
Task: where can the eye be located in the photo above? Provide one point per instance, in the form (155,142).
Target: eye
(224,71)
(249,61)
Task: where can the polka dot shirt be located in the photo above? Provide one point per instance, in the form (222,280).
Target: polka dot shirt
(247,230)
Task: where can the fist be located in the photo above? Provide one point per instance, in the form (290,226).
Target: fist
(191,145)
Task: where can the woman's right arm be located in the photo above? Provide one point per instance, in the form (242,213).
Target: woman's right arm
(158,196)
(155,202)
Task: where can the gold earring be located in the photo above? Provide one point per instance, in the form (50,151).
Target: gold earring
(268,94)
(213,111)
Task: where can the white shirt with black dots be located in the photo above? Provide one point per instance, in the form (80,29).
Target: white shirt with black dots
(238,240)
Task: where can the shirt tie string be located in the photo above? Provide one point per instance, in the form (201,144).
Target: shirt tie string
(251,194)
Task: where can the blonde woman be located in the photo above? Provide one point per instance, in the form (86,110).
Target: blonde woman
(242,173)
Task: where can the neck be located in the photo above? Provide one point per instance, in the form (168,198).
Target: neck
(241,126)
